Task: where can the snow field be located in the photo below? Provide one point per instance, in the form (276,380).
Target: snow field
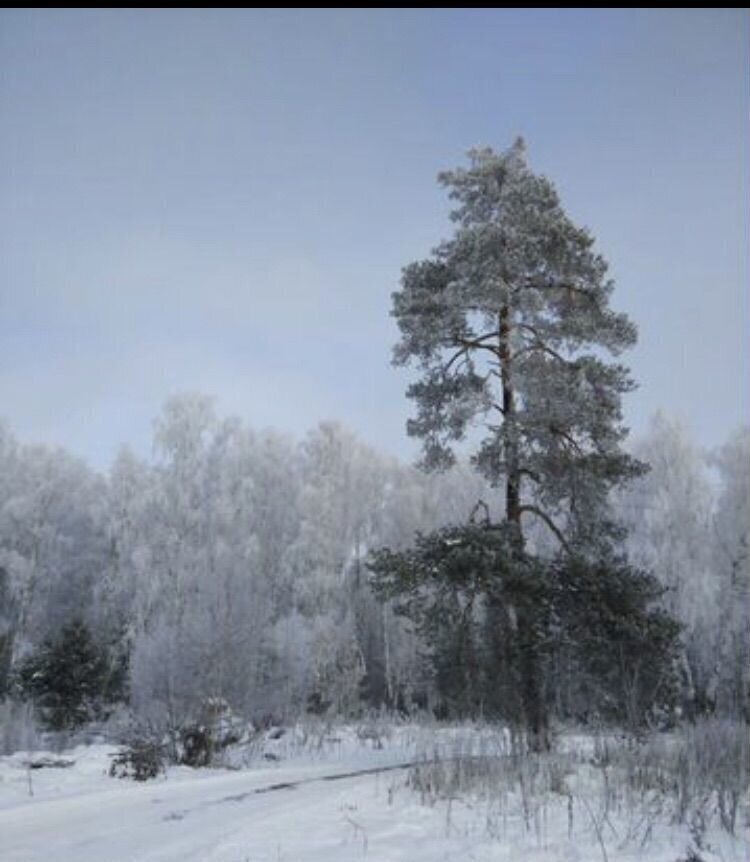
(469,799)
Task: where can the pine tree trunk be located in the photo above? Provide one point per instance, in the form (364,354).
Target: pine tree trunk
(530,669)
(513,481)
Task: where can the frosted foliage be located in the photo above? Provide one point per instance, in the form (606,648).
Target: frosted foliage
(203,596)
(692,532)
(507,322)
(237,562)
(52,536)
(732,554)
(668,512)
(233,564)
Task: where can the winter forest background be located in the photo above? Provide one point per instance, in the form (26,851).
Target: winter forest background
(233,564)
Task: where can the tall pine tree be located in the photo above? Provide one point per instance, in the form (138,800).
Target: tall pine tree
(509,324)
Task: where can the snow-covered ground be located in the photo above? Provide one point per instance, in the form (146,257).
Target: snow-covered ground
(80,814)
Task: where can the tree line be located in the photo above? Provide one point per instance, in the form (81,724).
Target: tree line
(233,564)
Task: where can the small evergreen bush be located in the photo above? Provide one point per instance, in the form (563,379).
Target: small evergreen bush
(66,678)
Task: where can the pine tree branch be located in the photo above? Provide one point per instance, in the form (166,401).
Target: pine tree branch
(538,345)
(571,288)
(467,344)
(567,437)
(478,338)
(535,510)
(471,344)
(462,352)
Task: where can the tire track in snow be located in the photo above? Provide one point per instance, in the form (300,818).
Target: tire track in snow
(293,785)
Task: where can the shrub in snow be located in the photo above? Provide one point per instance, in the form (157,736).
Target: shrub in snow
(140,760)
(216,729)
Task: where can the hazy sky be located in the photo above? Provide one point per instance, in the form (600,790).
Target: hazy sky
(222,201)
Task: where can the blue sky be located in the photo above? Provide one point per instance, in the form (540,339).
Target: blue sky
(222,201)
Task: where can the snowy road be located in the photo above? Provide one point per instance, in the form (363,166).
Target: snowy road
(274,814)
(356,808)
